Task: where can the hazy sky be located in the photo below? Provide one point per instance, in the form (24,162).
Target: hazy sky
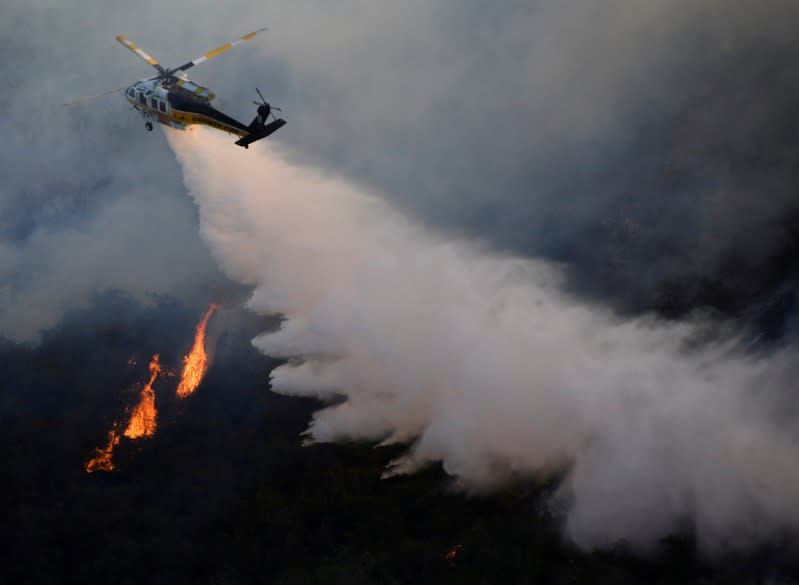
(492,182)
(651,133)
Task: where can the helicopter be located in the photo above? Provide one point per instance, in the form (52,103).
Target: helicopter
(171,99)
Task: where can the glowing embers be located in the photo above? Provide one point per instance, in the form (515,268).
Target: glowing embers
(195,364)
(103,459)
(142,421)
(452,554)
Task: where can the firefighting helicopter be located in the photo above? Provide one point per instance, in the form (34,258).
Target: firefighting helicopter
(173,100)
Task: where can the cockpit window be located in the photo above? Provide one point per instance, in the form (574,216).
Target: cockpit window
(162,106)
(131,93)
(142,99)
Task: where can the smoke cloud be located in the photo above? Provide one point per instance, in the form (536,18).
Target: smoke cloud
(124,247)
(483,363)
(662,132)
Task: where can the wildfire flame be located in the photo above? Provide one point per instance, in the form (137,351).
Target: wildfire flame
(142,421)
(195,364)
(103,456)
(452,553)
(143,418)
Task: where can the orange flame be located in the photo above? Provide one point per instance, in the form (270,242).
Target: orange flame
(452,553)
(142,419)
(195,364)
(103,456)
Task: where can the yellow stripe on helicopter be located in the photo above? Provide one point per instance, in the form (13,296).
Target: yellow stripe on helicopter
(193,118)
(133,47)
(222,49)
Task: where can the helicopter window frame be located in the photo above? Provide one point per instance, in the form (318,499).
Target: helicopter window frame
(142,99)
(162,106)
(131,93)
(154,103)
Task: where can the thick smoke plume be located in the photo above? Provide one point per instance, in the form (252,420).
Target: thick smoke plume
(483,363)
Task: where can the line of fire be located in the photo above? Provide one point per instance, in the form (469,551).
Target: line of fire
(195,364)
(142,422)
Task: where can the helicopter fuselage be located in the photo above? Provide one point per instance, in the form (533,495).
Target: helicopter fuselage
(178,102)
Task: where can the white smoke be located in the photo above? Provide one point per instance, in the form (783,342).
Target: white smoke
(483,363)
(144,244)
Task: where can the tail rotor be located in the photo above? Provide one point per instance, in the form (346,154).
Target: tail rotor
(265,109)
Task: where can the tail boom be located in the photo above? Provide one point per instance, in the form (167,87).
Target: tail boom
(260,132)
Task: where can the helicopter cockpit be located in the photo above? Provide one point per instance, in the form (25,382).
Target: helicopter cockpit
(151,99)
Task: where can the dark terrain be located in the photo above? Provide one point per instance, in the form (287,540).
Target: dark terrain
(225,493)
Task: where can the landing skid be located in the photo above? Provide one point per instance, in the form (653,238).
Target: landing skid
(148,119)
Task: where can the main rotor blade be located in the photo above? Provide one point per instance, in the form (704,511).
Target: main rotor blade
(133,47)
(215,52)
(86,98)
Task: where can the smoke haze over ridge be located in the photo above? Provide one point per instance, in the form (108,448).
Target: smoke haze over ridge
(482,362)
